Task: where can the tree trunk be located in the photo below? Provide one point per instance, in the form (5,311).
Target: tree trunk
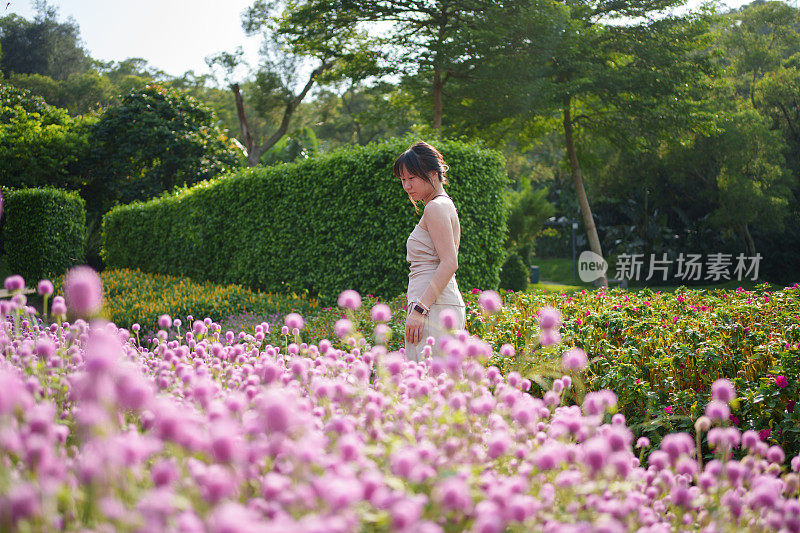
(254,152)
(437,101)
(749,243)
(246,135)
(577,180)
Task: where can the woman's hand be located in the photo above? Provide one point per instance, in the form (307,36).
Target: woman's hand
(414,324)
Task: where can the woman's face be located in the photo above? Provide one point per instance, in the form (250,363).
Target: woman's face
(416,187)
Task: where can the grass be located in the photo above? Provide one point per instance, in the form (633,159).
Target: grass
(555,275)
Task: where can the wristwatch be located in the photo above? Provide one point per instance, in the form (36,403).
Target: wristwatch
(420,309)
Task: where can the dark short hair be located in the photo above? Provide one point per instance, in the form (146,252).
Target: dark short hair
(419,160)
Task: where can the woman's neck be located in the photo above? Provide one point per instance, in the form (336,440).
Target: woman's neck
(436,192)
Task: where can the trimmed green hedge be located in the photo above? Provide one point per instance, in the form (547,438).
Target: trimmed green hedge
(43,231)
(325,224)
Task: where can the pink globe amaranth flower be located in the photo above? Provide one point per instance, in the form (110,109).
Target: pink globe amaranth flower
(507,350)
(275,413)
(781,382)
(452,494)
(448,319)
(44,287)
(342,327)
(723,390)
(775,455)
(294,320)
(643,442)
(83,291)
(549,317)
(548,337)
(490,301)
(718,411)
(349,299)
(14,283)
(669,410)
(381,313)
(677,444)
(575,359)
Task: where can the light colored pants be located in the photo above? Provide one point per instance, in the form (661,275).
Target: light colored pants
(433,328)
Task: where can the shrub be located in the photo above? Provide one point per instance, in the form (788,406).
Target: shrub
(43,233)
(514,274)
(40,145)
(326,224)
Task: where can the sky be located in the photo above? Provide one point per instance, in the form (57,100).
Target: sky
(172,35)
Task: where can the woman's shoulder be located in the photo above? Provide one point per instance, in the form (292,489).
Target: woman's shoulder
(443,205)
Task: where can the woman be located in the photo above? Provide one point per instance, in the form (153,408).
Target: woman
(431,249)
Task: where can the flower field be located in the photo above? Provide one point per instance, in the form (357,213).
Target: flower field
(206,430)
(659,352)
(134,297)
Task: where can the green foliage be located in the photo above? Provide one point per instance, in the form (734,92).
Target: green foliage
(514,273)
(528,211)
(325,224)
(157,138)
(43,232)
(753,186)
(41,46)
(40,145)
(757,39)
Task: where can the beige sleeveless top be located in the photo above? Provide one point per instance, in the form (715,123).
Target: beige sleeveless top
(421,254)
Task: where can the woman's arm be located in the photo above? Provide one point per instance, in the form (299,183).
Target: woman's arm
(437,219)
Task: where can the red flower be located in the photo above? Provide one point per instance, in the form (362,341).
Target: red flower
(764,433)
(781,382)
(790,406)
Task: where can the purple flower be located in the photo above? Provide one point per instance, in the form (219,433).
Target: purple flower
(448,319)
(44,287)
(381,313)
(293,320)
(83,291)
(14,283)
(723,390)
(549,317)
(507,350)
(59,307)
(574,359)
(164,321)
(452,494)
(490,301)
(548,337)
(342,327)
(718,411)
(350,299)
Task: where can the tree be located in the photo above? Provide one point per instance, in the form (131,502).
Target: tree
(286,75)
(757,38)
(753,186)
(42,46)
(528,211)
(777,96)
(40,145)
(153,140)
(630,84)
(429,43)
